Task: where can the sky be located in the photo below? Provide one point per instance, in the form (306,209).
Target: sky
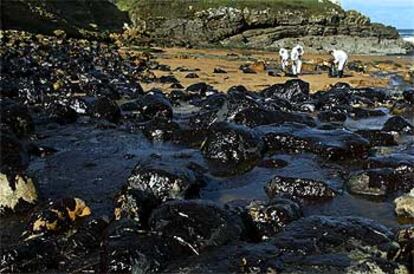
(397,13)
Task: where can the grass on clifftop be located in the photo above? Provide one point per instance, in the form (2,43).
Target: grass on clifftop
(187,8)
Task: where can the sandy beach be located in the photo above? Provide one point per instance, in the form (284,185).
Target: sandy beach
(205,60)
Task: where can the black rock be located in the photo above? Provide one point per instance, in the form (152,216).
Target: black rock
(160,129)
(200,89)
(15,117)
(14,154)
(320,244)
(165,182)
(37,255)
(127,249)
(270,218)
(168,79)
(219,70)
(192,75)
(377,137)
(332,144)
(329,116)
(83,105)
(409,96)
(253,117)
(295,91)
(399,125)
(197,224)
(239,257)
(106,108)
(155,105)
(273,163)
(360,113)
(297,187)
(61,113)
(231,150)
(380,182)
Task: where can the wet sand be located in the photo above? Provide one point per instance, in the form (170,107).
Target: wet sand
(230,60)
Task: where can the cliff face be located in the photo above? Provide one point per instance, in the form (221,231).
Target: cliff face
(269,29)
(75,17)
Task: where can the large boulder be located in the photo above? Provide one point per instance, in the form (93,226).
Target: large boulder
(332,144)
(127,249)
(320,244)
(164,181)
(231,149)
(197,224)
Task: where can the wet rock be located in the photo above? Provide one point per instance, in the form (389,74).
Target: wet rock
(37,255)
(61,114)
(253,117)
(177,96)
(57,217)
(177,86)
(239,257)
(337,99)
(130,250)
(15,117)
(404,205)
(134,204)
(164,181)
(14,155)
(376,95)
(405,237)
(231,150)
(360,113)
(270,218)
(329,116)
(197,224)
(18,193)
(302,188)
(320,244)
(155,105)
(380,182)
(332,144)
(377,137)
(192,75)
(409,96)
(83,105)
(296,91)
(399,125)
(200,89)
(219,70)
(130,106)
(81,250)
(167,79)
(107,109)
(160,129)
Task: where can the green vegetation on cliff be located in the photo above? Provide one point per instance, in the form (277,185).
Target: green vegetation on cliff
(187,8)
(75,17)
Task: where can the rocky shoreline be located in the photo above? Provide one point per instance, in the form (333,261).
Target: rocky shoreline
(101,175)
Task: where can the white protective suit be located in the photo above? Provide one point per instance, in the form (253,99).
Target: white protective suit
(284,57)
(340,59)
(296,56)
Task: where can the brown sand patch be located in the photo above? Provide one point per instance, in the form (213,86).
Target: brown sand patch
(230,60)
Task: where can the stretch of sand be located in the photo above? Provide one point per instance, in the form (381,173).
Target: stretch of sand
(207,59)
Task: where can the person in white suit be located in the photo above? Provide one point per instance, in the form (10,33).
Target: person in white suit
(284,58)
(340,59)
(296,57)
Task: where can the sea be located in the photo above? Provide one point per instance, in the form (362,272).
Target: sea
(407,34)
